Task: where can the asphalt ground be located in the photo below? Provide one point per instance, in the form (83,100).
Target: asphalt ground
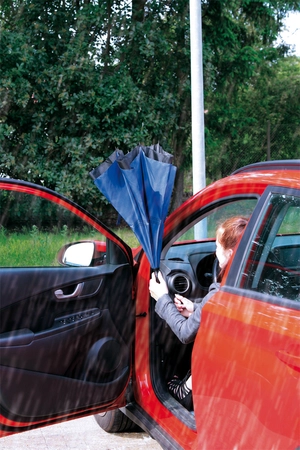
(79,434)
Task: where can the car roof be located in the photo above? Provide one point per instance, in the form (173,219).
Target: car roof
(288,164)
(249,180)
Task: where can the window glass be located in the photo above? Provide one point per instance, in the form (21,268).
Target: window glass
(209,224)
(33,230)
(273,261)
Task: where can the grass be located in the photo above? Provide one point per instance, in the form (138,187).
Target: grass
(33,248)
(127,235)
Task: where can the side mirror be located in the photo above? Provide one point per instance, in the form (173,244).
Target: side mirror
(78,254)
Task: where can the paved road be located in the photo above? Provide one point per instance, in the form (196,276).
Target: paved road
(79,434)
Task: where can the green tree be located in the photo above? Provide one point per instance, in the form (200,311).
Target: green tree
(240,62)
(269,103)
(80,78)
(58,112)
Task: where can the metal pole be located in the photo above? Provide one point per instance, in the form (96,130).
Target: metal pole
(268,141)
(198,144)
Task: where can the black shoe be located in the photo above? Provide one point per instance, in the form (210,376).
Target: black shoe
(179,390)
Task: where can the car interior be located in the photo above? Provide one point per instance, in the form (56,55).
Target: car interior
(188,270)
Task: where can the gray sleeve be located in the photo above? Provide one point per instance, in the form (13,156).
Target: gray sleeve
(184,328)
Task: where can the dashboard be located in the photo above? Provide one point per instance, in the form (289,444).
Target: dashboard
(188,266)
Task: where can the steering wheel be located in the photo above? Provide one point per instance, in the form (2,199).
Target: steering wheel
(215,270)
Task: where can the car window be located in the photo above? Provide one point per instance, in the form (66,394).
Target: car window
(273,261)
(33,230)
(206,228)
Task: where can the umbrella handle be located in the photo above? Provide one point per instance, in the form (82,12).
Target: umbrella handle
(155,271)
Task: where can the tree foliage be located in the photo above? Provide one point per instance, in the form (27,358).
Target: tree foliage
(80,78)
(270,104)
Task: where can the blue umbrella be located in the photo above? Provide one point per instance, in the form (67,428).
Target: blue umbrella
(139,185)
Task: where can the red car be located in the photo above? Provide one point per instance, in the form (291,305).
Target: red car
(79,334)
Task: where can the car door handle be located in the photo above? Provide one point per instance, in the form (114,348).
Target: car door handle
(289,359)
(61,296)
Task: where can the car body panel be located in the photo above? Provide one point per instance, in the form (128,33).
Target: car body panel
(244,354)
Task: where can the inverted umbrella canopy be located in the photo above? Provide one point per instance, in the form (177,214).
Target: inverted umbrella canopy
(139,185)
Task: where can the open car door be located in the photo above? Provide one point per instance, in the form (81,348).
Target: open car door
(67,313)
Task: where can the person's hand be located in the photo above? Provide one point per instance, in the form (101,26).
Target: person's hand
(184,305)
(156,289)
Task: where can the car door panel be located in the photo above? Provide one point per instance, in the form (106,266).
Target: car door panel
(79,342)
(64,348)
(246,354)
(15,282)
(244,389)
(50,395)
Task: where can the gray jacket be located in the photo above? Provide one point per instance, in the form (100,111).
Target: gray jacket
(184,328)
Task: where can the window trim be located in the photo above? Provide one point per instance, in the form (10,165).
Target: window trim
(260,296)
(233,277)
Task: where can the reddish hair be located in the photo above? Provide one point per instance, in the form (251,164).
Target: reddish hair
(230,231)
(229,234)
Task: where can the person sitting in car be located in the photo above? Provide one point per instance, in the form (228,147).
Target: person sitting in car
(184,316)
